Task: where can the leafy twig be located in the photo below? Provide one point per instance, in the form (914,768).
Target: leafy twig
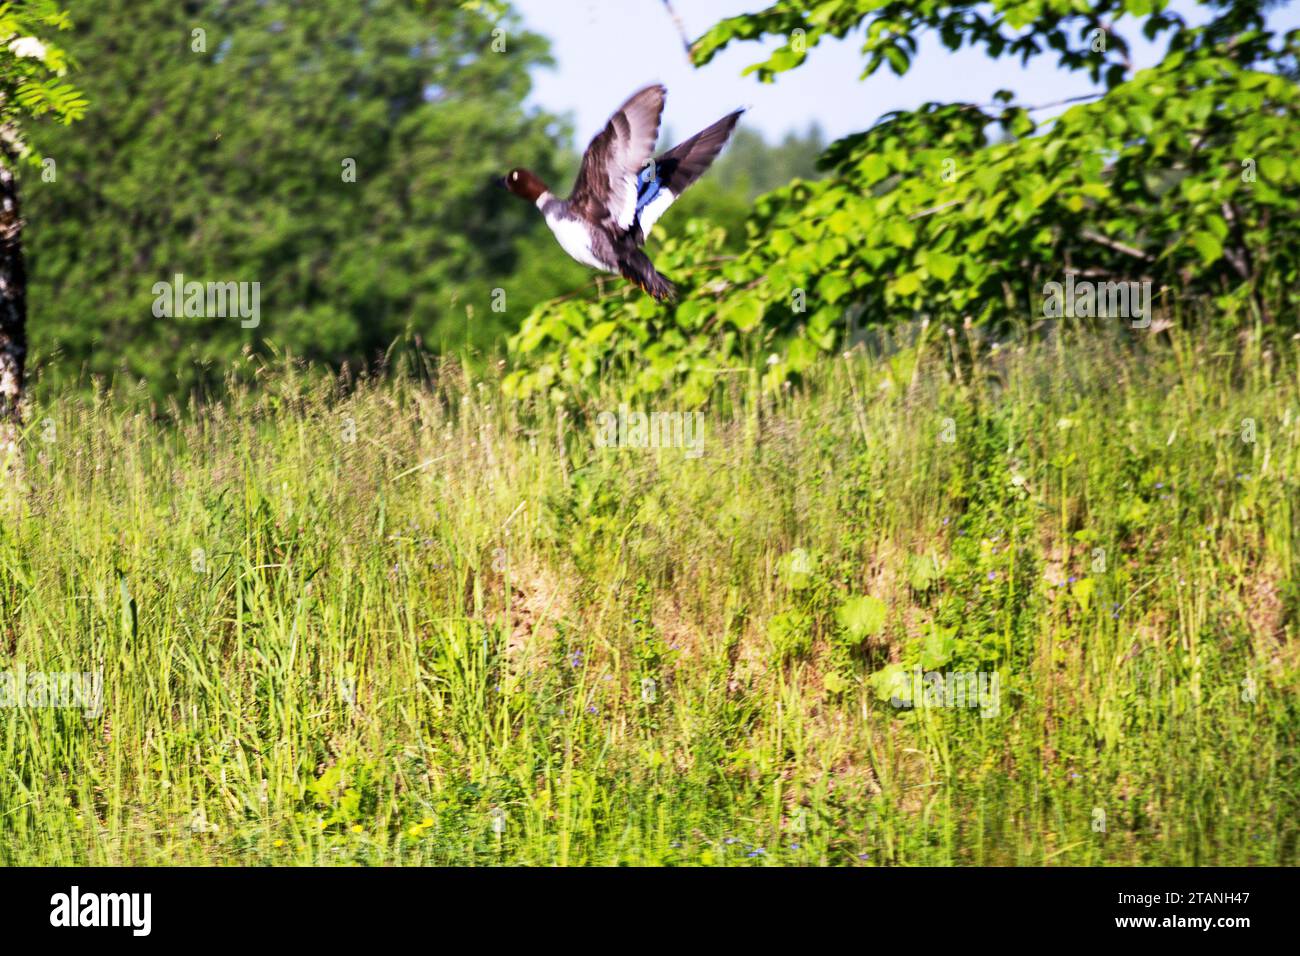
(1097,237)
(681,30)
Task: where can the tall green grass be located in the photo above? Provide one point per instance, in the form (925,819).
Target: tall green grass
(412,622)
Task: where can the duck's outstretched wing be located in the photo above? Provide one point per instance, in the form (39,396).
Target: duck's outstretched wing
(606,188)
(662,182)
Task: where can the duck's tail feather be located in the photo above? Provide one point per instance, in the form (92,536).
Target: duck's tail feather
(639,269)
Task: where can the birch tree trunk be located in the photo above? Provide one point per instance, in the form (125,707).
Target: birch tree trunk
(13,338)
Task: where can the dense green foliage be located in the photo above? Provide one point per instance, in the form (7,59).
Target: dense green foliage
(33,71)
(364,627)
(224,155)
(1181,176)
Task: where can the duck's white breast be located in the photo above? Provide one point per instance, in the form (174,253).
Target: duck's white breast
(574,238)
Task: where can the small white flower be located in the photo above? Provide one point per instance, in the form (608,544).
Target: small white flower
(28,46)
(773,359)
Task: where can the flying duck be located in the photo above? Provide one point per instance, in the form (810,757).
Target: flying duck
(620,192)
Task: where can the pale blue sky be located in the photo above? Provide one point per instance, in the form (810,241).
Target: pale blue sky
(605,49)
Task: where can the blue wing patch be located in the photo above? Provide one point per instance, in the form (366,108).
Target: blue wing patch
(647,188)
(653,197)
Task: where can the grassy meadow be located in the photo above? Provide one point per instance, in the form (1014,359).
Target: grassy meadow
(408,621)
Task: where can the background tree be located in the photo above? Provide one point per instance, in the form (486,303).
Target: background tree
(31,86)
(339,154)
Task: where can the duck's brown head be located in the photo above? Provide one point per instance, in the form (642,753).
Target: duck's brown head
(523,184)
